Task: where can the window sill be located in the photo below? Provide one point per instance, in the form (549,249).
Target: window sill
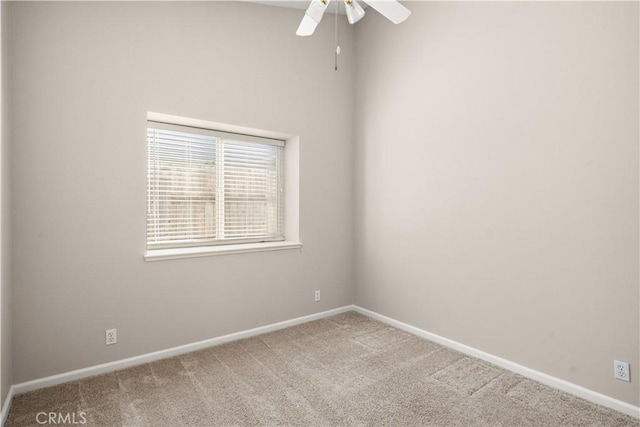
(163,254)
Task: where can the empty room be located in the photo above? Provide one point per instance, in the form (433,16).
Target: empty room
(320,213)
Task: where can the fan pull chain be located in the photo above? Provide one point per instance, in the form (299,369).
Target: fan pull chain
(337,37)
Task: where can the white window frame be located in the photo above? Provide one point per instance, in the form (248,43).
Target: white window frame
(291,195)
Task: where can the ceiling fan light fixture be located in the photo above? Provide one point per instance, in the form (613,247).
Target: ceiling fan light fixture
(354,11)
(393,10)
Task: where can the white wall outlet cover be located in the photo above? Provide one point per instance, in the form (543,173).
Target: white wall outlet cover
(317,296)
(111,336)
(621,370)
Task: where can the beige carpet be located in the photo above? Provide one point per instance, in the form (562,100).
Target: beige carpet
(347,370)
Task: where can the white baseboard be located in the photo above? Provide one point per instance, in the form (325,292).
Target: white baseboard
(4,413)
(163,354)
(541,377)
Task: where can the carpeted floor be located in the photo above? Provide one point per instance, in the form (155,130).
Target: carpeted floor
(346,370)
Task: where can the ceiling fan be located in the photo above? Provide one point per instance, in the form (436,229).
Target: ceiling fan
(390,9)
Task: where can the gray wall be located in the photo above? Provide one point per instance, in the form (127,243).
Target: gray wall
(497,181)
(84,76)
(6,368)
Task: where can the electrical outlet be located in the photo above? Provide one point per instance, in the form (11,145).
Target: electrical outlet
(112,336)
(621,370)
(317,296)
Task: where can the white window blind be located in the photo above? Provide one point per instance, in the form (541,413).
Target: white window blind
(209,188)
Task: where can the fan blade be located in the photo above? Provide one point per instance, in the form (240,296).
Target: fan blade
(390,9)
(312,17)
(307,26)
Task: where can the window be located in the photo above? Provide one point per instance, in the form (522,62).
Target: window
(208,188)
